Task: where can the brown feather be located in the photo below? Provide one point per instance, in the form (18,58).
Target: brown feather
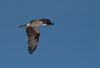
(46,21)
(33,38)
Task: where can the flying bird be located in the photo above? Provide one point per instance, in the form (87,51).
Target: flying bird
(33,32)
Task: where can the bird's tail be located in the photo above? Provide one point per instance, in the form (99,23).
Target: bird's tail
(22,25)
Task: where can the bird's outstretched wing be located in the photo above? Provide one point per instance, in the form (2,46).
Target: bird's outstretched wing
(46,21)
(33,38)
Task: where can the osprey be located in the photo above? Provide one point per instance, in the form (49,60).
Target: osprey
(33,32)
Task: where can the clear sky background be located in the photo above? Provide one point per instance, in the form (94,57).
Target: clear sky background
(73,42)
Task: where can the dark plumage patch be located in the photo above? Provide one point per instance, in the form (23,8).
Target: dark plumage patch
(46,21)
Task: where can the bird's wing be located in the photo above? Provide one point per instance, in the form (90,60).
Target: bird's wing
(46,21)
(33,38)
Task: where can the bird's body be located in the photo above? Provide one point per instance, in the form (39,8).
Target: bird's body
(33,32)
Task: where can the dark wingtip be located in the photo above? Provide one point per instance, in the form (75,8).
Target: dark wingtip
(52,23)
(30,52)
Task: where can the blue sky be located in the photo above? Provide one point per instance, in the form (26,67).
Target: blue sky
(73,42)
